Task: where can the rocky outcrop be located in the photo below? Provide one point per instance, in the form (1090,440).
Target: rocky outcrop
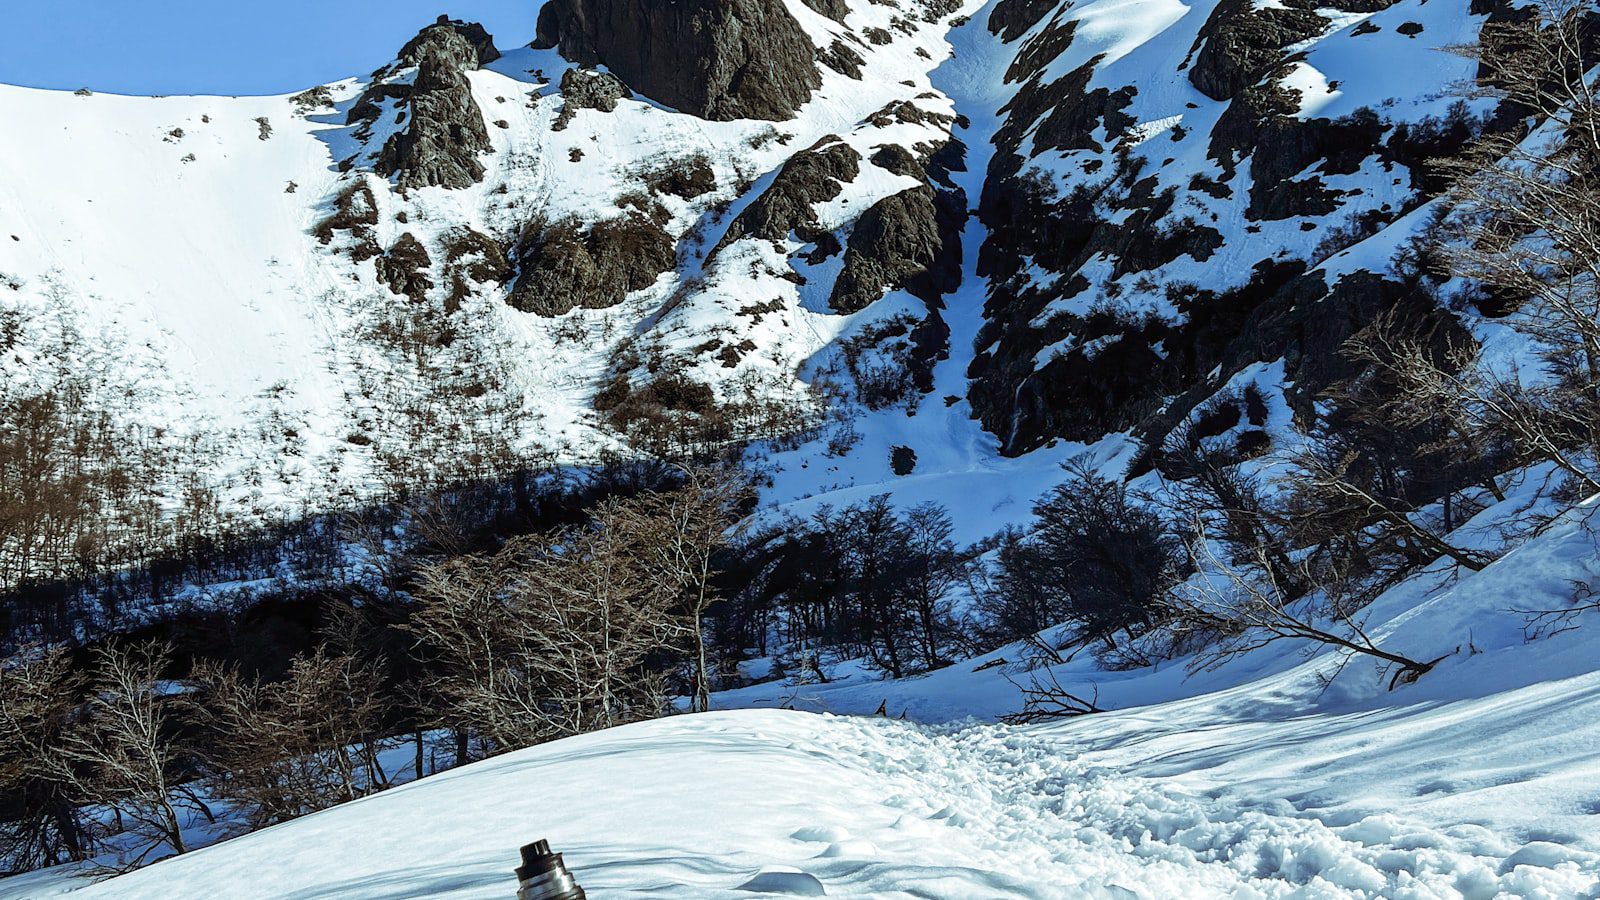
(477,38)
(910,240)
(472,258)
(1093,324)
(444,131)
(833,9)
(788,205)
(1012,18)
(355,215)
(1241,43)
(567,266)
(405,268)
(717,59)
(588,89)
(1260,124)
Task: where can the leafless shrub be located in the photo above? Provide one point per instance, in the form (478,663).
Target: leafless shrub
(552,635)
(1045,699)
(1242,608)
(295,746)
(40,825)
(122,753)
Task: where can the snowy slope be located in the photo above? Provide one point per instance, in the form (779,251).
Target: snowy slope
(702,806)
(1286,773)
(180,232)
(190,253)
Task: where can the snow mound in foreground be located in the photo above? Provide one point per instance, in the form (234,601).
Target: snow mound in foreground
(726,804)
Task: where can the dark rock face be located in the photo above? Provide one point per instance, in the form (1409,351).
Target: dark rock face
(564,266)
(472,258)
(1260,124)
(841,58)
(445,131)
(481,42)
(588,89)
(1013,17)
(1110,376)
(910,240)
(405,268)
(1241,44)
(1111,339)
(717,59)
(808,178)
(833,9)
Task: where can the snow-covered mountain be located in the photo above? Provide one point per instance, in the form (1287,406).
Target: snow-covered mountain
(925,248)
(970,230)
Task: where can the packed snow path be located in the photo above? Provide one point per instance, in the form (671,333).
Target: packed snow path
(743,803)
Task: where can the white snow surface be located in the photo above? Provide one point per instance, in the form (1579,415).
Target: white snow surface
(1289,772)
(700,806)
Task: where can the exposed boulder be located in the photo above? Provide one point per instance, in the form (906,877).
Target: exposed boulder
(788,205)
(588,89)
(717,59)
(445,130)
(902,460)
(910,240)
(405,268)
(567,266)
(1242,43)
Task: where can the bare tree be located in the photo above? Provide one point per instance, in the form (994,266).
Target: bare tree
(295,746)
(551,636)
(123,754)
(1098,558)
(1498,415)
(1045,698)
(679,534)
(1235,505)
(1523,225)
(1238,609)
(39,824)
(1336,496)
(934,571)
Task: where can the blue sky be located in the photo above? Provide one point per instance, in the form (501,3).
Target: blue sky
(225,46)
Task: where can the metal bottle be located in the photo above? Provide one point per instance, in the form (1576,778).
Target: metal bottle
(543,876)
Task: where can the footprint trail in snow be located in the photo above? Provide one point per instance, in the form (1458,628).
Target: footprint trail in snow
(1013,814)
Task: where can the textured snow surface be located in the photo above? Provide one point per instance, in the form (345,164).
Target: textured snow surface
(1286,773)
(724,804)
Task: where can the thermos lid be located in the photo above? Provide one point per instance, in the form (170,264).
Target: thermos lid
(538,860)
